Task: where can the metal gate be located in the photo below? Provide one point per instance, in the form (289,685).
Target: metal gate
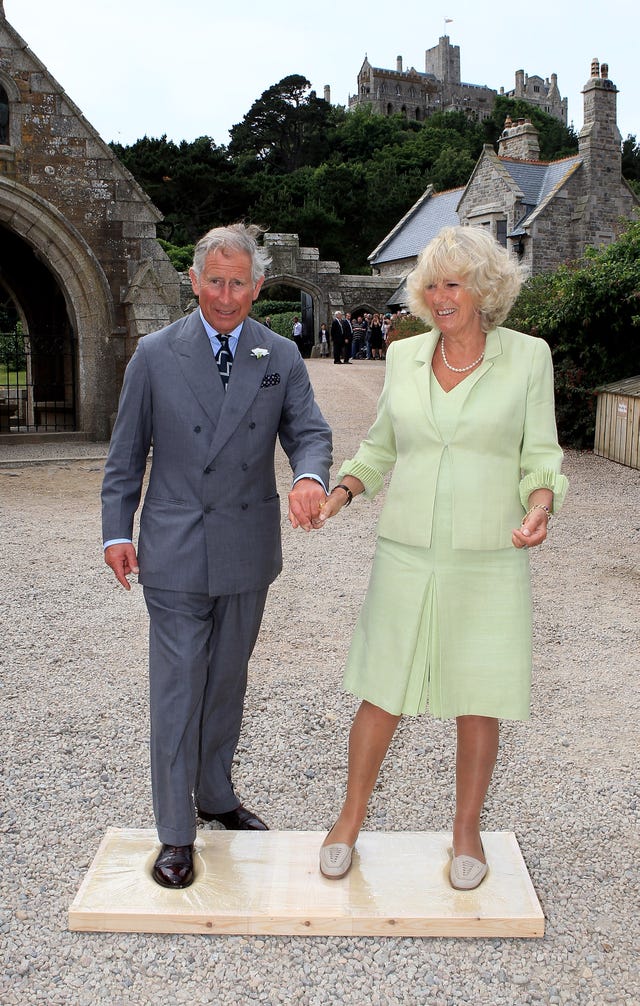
(37,382)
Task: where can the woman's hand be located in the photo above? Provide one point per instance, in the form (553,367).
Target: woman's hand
(533,529)
(332,505)
(340,496)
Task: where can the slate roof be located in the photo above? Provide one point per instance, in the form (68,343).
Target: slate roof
(430,214)
(537,180)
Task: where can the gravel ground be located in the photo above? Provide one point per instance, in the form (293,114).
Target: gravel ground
(73,709)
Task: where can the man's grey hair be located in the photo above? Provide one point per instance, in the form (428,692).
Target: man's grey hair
(338,314)
(234,238)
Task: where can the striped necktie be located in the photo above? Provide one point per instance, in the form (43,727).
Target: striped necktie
(224,359)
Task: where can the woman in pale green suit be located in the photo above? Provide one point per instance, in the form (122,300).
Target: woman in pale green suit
(466,421)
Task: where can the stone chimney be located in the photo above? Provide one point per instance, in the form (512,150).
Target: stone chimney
(599,139)
(519,140)
(399,64)
(599,146)
(327,94)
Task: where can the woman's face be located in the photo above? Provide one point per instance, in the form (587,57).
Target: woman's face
(452,306)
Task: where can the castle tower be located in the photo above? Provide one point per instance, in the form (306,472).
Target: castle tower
(443,61)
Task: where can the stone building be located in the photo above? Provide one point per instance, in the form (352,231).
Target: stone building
(546,213)
(542,93)
(439,88)
(323,288)
(81,273)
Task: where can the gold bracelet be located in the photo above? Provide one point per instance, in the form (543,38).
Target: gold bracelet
(538,506)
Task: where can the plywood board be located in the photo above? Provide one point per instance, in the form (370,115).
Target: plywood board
(269,883)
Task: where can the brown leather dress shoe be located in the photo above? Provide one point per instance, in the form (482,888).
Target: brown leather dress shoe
(239,819)
(174,866)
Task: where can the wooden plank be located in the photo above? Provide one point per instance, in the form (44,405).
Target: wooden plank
(634,456)
(269,883)
(601,409)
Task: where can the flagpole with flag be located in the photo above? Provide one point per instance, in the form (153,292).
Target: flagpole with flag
(447,20)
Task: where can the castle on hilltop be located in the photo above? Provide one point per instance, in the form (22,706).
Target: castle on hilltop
(417,95)
(545,213)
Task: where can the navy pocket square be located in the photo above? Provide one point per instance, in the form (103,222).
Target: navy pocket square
(270,380)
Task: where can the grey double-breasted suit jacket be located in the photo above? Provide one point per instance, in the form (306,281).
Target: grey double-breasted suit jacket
(210,521)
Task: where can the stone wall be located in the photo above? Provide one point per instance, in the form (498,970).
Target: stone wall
(73,205)
(302,269)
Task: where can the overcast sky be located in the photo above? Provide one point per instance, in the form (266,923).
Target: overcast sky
(193,68)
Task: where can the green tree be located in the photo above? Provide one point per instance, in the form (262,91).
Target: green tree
(285,128)
(195,185)
(589,314)
(631,163)
(556,139)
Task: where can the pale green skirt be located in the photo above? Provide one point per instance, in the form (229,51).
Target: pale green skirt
(444,629)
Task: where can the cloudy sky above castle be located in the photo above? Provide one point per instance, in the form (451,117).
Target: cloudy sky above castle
(193,68)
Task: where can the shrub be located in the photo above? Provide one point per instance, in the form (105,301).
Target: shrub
(589,313)
(180,256)
(405,325)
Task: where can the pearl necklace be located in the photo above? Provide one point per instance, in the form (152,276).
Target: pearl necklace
(458,370)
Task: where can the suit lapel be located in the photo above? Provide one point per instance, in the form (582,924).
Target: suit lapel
(423,359)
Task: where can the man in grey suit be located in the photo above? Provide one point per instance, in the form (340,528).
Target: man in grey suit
(212,392)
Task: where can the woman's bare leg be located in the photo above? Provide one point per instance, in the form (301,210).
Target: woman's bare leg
(369,739)
(476,754)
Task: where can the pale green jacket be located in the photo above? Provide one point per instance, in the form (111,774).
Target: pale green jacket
(505,444)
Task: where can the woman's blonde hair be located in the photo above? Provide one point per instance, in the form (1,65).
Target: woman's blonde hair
(472,255)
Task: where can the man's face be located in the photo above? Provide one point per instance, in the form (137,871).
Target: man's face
(225,289)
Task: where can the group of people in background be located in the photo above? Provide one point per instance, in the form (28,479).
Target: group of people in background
(363,336)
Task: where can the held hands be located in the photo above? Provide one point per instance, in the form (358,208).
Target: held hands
(122,559)
(334,503)
(306,500)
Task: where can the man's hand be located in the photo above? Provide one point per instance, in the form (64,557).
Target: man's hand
(304,504)
(123,560)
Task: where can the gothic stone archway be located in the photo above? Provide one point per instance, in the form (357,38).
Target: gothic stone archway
(85,234)
(330,291)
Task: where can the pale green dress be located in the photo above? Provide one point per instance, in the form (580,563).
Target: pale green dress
(442,628)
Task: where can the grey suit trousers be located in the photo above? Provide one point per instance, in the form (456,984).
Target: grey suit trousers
(199,650)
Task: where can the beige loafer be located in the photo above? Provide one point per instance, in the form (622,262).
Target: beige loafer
(335,860)
(466,873)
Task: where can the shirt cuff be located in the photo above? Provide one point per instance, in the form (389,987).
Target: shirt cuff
(117,541)
(315,478)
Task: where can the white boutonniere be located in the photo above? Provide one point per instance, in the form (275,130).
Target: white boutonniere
(259,353)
